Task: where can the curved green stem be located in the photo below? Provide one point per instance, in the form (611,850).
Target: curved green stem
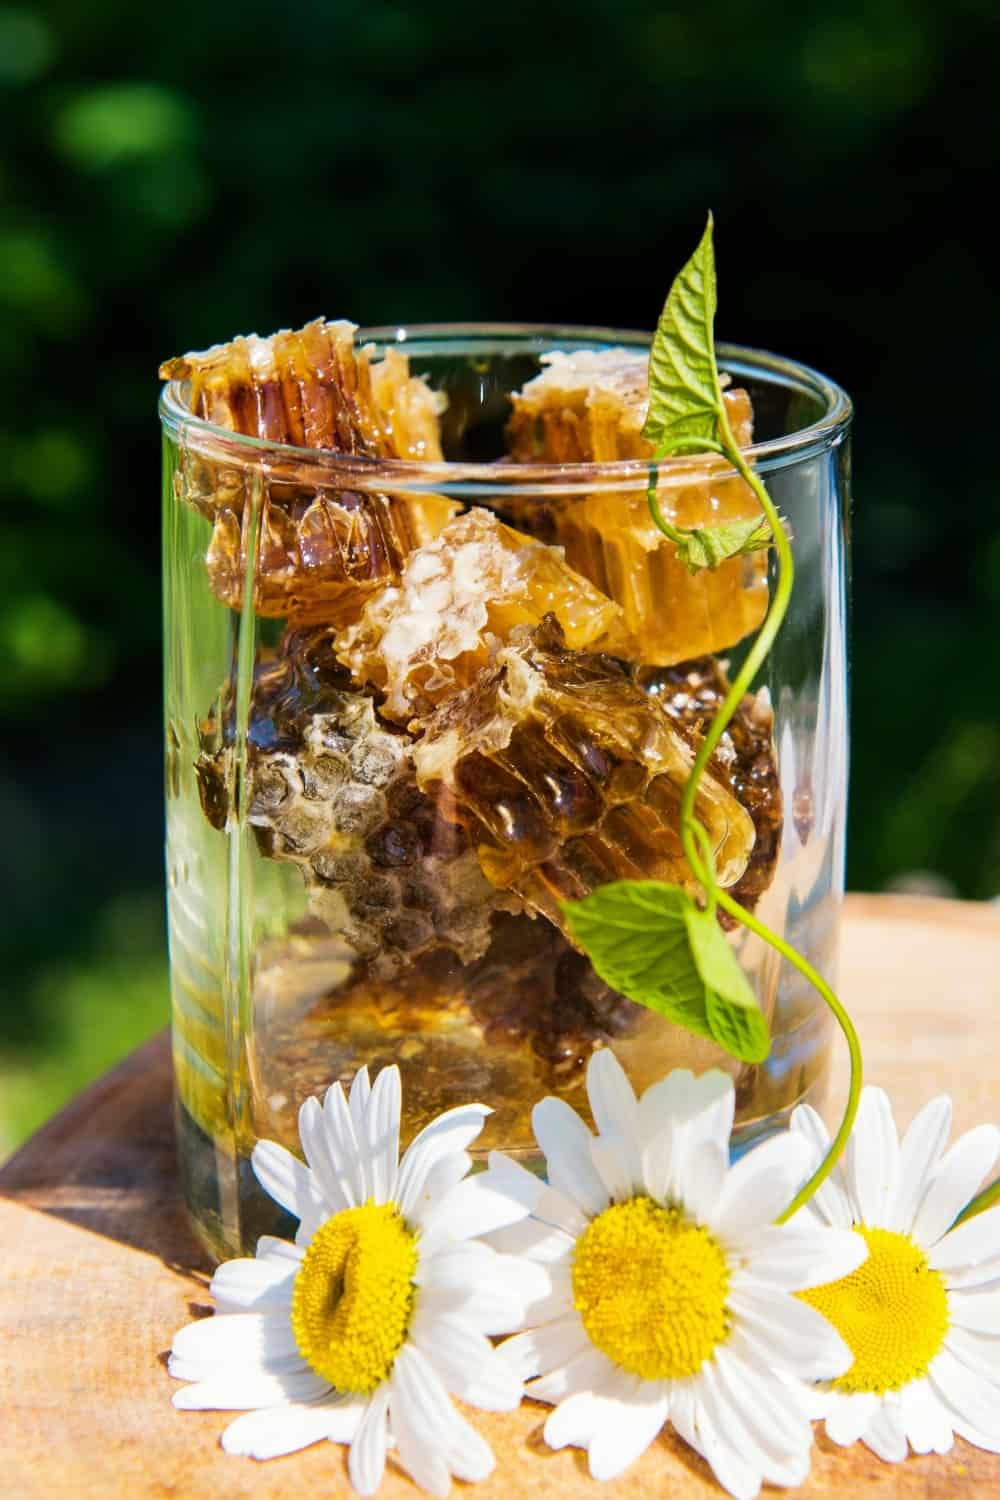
(692,832)
(982,1201)
(846,1025)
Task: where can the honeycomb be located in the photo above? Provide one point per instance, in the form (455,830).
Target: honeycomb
(566,775)
(320,549)
(333,790)
(456,603)
(590,407)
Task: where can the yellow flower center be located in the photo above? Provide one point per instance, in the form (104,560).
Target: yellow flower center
(353,1296)
(650,1287)
(892,1312)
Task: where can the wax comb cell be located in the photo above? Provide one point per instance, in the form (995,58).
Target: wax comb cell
(566,775)
(457,601)
(320,547)
(589,407)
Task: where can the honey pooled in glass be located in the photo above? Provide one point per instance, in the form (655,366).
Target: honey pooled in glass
(431,671)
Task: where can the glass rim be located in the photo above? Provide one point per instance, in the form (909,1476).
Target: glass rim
(464,479)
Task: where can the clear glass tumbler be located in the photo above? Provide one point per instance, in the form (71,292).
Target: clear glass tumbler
(413,703)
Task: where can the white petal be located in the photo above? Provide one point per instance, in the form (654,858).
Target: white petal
(580,1419)
(492,1308)
(978,1439)
(466,1362)
(971,1398)
(777,1420)
(977,1311)
(616,1445)
(453,1131)
(589,1370)
(849,1417)
(555,1302)
(919,1155)
(683,1412)
(830,1202)
(428,1407)
(612,1099)
(282,1429)
(253,1285)
(761,1185)
(264,1341)
(334,1184)
(347,1150)
(382,1134)
(270,1248)
(703,1171)
(978,1352)
(703,1105)
(421,1454)
(658,1159)
(884,1434)
(286,1179)
(736,1420)
(796,1257)
(445,1174)
(534,1240)
(565,1142)
(366,1462)
(954,1182)
(241,1390)
(871,1161)
(974,1244)
(926,1422)
(544,1349)
(617,1165)
(796,1336)
(732,1471)
(361,1092)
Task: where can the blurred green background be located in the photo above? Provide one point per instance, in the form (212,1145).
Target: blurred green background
(176,174)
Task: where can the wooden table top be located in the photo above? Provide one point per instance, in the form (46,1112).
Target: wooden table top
(98,1267)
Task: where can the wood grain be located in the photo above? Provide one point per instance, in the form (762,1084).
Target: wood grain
(98,1268)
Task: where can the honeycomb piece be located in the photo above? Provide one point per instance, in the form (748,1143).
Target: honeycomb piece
(745,760)
(589,407)
(320,549)
(333,790)
(566,776)
(456,603)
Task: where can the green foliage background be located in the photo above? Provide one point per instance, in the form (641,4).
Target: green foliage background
(174,174)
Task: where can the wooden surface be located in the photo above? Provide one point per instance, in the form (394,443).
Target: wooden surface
(98,1267)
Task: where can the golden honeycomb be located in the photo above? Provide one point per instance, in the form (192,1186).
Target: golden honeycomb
(589,407)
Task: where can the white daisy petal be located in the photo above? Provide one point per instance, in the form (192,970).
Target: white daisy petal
(761,1185)
(253,1285)
(426,1401)
(544,1349)
(361,1092)
(926,1423)
(382,1133)
(795,1258)
(587,1371)
(453,1131)
(830,1203)
(347,1151)
(536,1241)
(612,1099)
(318,1145)
(955,1180)
(445,1174)
(979,1439)
(731,1470)
(798,1338)
(701,1106)
(491,1306)
(735,1418)
(260,1341)
(871,1160)
(702,1174)
(640,1416)
(683,1412)
(277,1430)
(270,1248)
(241,1390)
(884,1434)
(919,1155)
(658,1158)
(366,1461)
(778,1422)
(849,1416)
(284,1178)
(420,1455)
(466,1362)
(616,1166)
(978,1352)
(971,1398)
(556,1301)
(974,1245)
(565,1142)
(979,1311)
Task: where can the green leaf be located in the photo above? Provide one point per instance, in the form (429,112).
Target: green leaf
(708,546)
(684,394)
(652,943)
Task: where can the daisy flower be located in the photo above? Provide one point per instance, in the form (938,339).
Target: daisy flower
(922,1313)
(363,1328)
(670,1288)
